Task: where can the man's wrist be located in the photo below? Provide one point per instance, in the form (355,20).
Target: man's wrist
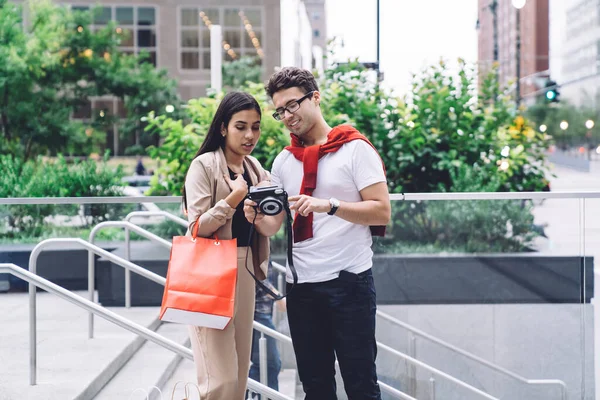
(334,205)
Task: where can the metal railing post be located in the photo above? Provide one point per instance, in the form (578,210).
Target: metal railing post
(91,284)
(262,354)
(91,261)
(412,370)
(127,273)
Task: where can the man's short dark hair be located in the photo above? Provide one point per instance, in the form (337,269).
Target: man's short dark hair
(290,77)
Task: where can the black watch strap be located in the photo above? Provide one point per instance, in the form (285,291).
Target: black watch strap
(335,204)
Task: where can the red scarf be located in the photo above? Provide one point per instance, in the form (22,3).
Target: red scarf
(310,156)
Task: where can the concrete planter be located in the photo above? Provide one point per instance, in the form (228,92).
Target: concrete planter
(66,266)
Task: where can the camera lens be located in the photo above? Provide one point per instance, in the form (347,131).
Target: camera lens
(271,206)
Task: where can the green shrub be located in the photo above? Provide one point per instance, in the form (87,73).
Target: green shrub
(56,178)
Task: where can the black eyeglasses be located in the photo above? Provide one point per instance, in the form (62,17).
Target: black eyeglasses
(291,107)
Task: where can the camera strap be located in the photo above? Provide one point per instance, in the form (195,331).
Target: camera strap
(290,257)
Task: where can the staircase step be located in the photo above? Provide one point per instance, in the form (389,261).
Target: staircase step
(151,366)
(70,366)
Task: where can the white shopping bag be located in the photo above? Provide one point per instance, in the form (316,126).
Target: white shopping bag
(186,391)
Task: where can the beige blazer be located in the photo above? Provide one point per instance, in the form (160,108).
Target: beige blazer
(206,188)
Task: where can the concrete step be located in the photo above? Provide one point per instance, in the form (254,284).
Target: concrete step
(151,366)
(70,366)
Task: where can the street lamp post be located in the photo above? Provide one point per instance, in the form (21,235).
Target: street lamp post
(378,38)
(493,7)
(518,5)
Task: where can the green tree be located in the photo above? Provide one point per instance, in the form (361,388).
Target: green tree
(52,66)
(238,72)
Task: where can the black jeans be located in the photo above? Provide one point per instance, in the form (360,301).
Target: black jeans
(335,318)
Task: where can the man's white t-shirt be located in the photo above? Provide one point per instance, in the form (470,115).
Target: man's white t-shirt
(336,244)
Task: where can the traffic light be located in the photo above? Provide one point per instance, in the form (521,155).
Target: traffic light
(551,91)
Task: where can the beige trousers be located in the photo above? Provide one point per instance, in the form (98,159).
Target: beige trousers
(222,357)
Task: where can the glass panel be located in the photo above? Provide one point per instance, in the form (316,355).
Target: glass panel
(206,60)
(257,35)
(102,15)
(125,15)
(80,8)
(146,38)
(189,17)
(228,57)
(502,280)
(189,38)
(126,38)
(104,106)
(190,60)
(211,14)
(254,17)
(152,58)
(233,38)
(205,38)
(148,57)
(146,16)
(232,18)
(84,111)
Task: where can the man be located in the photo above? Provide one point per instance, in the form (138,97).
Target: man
(339,196)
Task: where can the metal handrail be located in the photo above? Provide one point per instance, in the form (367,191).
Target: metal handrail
(495,367)
(128,226)
(393,197)
(93,249)
(37,281)
(89,200)
(563,387)
(165,214)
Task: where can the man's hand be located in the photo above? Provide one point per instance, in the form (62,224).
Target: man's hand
(305,205)
(251,212)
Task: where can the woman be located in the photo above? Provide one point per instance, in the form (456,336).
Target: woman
(215,188)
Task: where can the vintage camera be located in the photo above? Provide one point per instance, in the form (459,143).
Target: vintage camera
(270,200)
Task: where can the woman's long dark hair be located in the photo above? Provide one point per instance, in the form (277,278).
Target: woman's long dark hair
(231,104)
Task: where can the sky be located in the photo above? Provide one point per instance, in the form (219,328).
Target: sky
(414,34)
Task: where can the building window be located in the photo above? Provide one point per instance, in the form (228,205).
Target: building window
(137,25)
(316,33)
(242,34)
(316,16)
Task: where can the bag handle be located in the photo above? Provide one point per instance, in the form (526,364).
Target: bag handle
(186,392)
(147,393)
(195,233)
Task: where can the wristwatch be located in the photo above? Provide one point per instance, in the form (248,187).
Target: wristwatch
(335,204)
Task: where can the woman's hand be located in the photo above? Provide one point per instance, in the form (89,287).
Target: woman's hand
(252,213)
(238,185)
(239,190)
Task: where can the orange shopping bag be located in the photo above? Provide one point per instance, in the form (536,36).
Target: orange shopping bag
(201,279)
